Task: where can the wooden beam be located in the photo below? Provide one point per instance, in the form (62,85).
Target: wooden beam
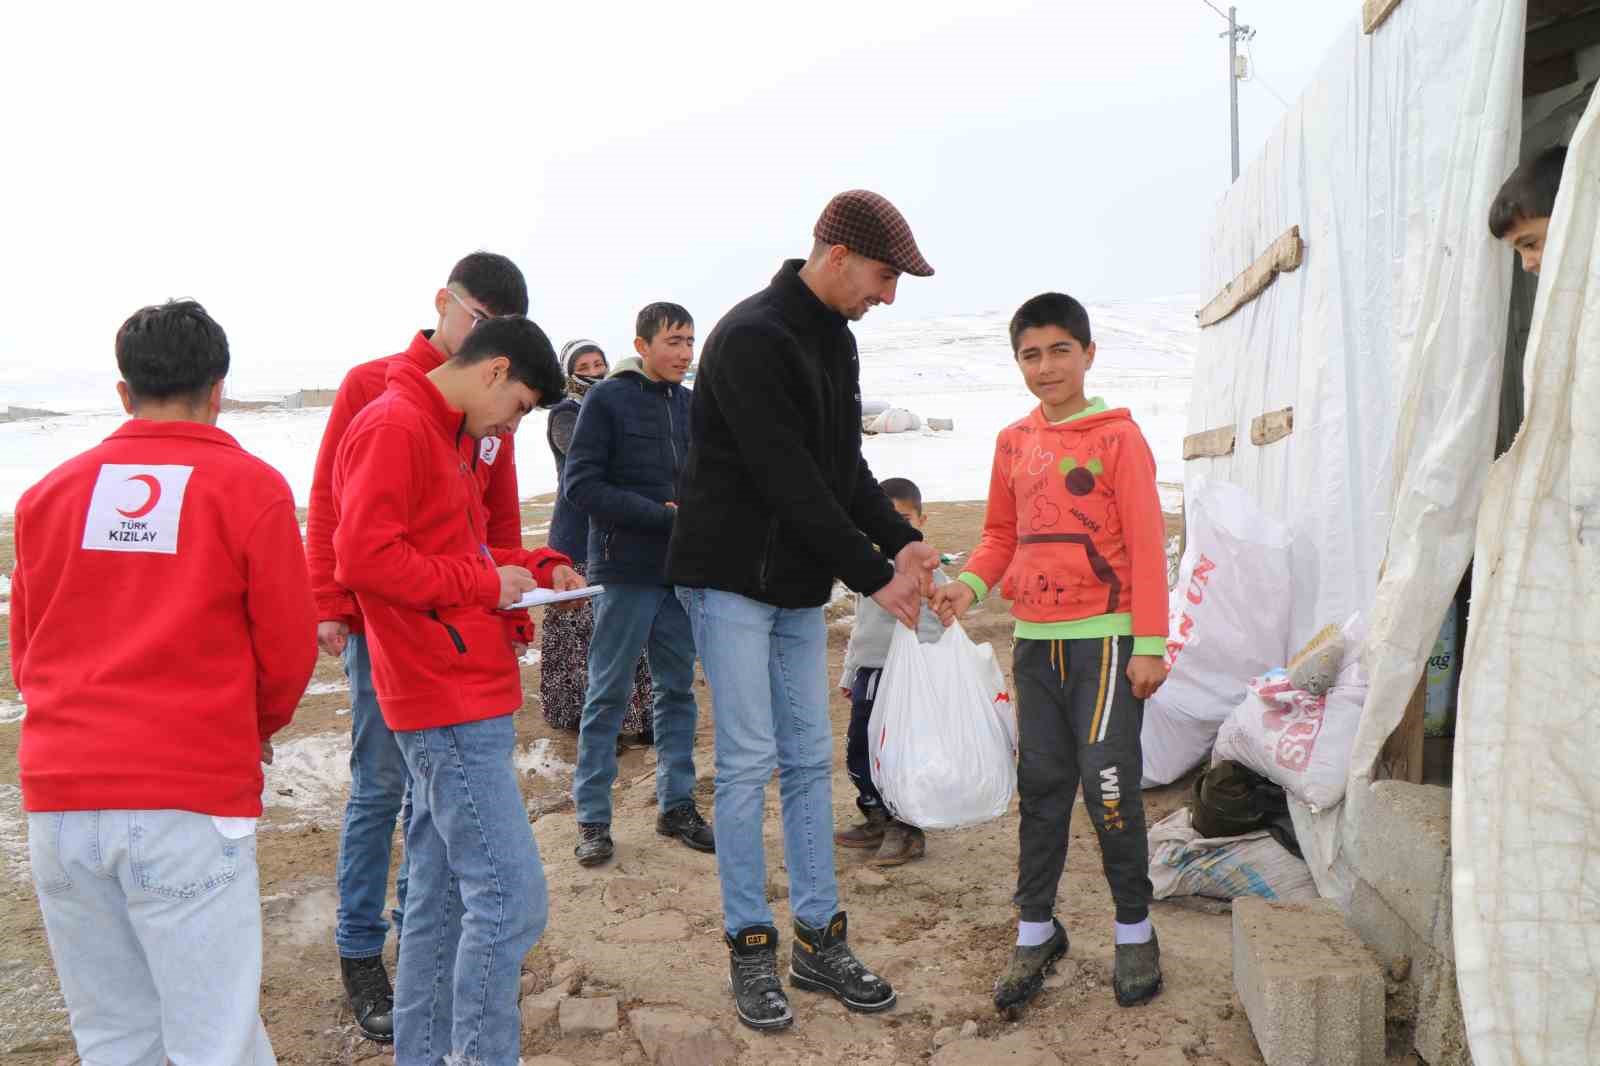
(1561,36)
(1283,254)
(1210,444)
(1274,425)
(1548,74)
(1375,12)
(1401,759)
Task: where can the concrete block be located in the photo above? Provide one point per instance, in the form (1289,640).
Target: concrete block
(1424,1002)
(582,1017)
(1311,988)
(1401,847)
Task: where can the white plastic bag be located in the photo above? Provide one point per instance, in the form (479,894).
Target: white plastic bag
(1228,622)
(1183,863)
(943,735)
(1297,740)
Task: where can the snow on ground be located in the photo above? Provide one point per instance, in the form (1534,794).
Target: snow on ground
(953,366)
(12,711)
(538,759)
(327,688)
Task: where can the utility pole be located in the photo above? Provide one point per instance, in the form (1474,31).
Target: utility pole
(1233,86)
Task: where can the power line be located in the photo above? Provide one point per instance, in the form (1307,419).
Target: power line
(1255,75)
(1215,8)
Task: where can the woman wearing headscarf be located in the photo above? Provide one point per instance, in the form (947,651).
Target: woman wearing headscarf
(564,641)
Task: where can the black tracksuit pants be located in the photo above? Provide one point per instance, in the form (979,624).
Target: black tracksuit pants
(858,748)
(1077,720)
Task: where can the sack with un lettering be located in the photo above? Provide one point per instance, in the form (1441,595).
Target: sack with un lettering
(1229,621)
(1297,740)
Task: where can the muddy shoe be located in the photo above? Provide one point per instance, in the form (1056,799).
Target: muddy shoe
(1025,976)
(371,997)
(1137,976)
(901,844)
(867,833)
(823,962)
(594,843)
(753,977)
(685,823)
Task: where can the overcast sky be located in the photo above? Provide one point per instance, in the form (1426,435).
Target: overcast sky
(310,172)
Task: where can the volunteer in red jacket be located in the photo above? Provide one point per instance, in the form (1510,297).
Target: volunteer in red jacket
(481,285)
(141,750)
(411,543)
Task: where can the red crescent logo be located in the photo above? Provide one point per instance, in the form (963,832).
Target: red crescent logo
(154,486)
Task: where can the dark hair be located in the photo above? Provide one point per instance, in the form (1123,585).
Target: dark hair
(903,489)
(174,350)
(1051,309)
(494,281)
(657,317)
(532,356)
(1529,193)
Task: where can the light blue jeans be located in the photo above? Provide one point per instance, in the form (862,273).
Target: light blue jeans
(477,900)
(154,920)
(769,693)
(378,780)
(626,619)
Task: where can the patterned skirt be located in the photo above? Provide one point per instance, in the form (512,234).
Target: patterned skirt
(564,672)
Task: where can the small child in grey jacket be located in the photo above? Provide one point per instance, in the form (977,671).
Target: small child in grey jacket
(895,841)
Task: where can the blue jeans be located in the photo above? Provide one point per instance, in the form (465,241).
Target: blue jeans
(626,619)
(769,693)
(154,920)
(378,780)
(478,900)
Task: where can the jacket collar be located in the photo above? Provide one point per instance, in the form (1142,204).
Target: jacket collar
(798,297)
(422,353)
(405,378)
(146,429)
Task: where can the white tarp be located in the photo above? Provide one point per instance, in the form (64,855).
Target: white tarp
(1526,806)
(1388,342)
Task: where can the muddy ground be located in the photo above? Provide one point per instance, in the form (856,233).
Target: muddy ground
(646,928)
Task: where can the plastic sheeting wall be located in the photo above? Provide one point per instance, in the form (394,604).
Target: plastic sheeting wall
(1526,817)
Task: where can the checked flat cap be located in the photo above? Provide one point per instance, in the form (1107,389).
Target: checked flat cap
(869,225)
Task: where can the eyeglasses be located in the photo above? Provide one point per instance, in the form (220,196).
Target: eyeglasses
(477,316)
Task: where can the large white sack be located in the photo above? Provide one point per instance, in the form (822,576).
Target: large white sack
(892,420)
(943,735)
(1183,863)
(1228,622)
(1297,740)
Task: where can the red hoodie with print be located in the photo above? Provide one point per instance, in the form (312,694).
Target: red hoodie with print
(496,472)
(410,539)
(1074,534)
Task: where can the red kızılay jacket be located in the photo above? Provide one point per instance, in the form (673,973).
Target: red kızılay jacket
(162,624)
(410,543)
(496,472)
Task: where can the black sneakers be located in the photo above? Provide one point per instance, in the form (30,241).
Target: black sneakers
(1025,976)
(753,976)
(594,843)
(685,823)
(823,962)
(1137,975)
(371,998)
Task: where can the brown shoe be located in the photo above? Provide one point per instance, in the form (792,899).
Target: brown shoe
(867,833)
(901,844)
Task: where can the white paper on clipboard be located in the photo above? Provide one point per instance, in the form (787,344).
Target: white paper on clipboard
(545,597)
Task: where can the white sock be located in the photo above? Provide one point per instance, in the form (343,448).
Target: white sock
(1032,934)
(1137,933)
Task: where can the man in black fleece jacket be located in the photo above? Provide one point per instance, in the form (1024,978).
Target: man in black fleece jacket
(777,502)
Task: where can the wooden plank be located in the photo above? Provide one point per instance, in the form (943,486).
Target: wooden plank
(1560,36)
(1401,759)
(1375,12)
(1274,425)
(1548,74)
(1209,444)
(1283,254)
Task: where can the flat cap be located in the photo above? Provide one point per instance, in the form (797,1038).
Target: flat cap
(869,225)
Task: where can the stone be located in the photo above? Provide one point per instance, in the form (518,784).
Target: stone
(538,1011)
(1023,1048)
(530,984)
(662,927)
(869,880)
(623,892)
(676,1038)
(1314,993)
(1400,845)
(568,976)
(944,1036)
(589,1015)
(969,1029)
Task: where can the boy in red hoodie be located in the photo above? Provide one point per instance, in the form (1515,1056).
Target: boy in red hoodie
(1075,539)
(141,750)
(480,286)
(410,541)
